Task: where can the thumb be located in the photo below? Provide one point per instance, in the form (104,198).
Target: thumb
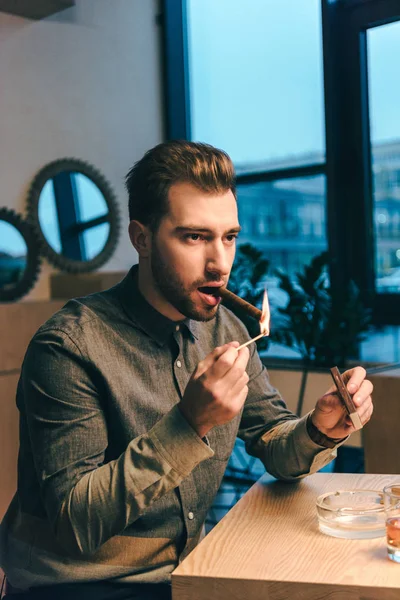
(328,402)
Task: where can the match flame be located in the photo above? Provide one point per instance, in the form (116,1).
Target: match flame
(265,315)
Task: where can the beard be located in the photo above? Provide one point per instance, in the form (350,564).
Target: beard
(171,287)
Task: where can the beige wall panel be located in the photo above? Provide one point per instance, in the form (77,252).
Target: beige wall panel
(72,285)
(317,385)
(288,383)
(381,434)
(9,440)
(18,323)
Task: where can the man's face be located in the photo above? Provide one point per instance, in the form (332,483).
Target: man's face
(194,248)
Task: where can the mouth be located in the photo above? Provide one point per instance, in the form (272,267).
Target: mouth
(209,293)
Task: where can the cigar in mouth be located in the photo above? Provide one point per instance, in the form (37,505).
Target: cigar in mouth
(233,301)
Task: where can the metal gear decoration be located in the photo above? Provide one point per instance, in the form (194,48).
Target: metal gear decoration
(15,291)
(58,259)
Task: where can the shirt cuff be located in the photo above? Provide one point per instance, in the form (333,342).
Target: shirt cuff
(320,438)
(316,455)
(178,442)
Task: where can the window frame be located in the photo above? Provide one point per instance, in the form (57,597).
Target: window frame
(354,177)
(349,199)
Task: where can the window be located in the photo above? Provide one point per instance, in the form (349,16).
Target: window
(256,86)
(287,217)
(240,90)
(383,46)
(303,96)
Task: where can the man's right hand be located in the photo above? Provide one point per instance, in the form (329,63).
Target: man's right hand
(217,389)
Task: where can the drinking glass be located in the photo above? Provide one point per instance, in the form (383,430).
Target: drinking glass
(391,498)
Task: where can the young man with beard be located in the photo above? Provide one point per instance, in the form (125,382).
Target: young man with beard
(131,400)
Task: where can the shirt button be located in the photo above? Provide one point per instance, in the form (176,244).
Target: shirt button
(177,328)
(191,516)
(178,363)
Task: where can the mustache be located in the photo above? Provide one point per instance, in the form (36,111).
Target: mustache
(205,283)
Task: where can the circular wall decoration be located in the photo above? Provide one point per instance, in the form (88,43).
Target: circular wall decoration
(19,256)
(74,213)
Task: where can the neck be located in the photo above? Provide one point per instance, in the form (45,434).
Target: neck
(153,296)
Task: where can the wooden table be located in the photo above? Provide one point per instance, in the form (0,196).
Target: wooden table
(269,547)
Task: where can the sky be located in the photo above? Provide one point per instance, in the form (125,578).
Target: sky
(256,77)
(383,44)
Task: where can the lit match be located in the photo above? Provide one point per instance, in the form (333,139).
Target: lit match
(264,322)
(263,315)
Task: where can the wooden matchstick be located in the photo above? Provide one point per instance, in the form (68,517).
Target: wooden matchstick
(230,298)
(251,341)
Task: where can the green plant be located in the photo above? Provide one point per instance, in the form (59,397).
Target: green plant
(247,281)
(326,328)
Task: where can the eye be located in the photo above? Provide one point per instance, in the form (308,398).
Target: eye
(231,237)
(193,237)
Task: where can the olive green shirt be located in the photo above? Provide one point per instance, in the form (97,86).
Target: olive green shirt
(113,483)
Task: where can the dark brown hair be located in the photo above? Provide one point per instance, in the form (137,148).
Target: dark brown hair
(175,161)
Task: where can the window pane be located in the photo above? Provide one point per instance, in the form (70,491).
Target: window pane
(13,255)
(256,79)
(384,90)
(285,219)
(382,345)
(95,239)
(91,201)
(48,216)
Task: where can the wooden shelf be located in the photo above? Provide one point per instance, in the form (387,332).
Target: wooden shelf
(34,9)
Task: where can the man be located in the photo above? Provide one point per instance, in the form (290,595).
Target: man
(131,400)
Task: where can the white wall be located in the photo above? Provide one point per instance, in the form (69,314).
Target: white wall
(83,83)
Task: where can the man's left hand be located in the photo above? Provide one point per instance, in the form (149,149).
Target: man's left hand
(330,415)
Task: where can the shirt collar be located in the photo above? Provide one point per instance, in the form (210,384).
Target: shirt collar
(145,316)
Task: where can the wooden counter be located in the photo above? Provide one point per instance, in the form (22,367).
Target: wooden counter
(269,547)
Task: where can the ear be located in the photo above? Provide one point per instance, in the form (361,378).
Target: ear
(140,237)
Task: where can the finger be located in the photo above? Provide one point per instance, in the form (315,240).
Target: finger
(223,363)
(243,358)
(239,399)
(330,401)
(366,408)
(354,378)
(208,361)
(238,368)
(363,393)
(368,414)
(237,386)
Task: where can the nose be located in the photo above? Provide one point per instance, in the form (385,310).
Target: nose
(219,259)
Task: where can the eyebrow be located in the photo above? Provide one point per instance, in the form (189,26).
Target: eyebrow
(182,228)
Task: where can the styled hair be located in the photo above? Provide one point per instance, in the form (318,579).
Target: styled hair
(176,161)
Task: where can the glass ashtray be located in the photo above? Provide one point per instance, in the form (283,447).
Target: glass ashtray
(352,514)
